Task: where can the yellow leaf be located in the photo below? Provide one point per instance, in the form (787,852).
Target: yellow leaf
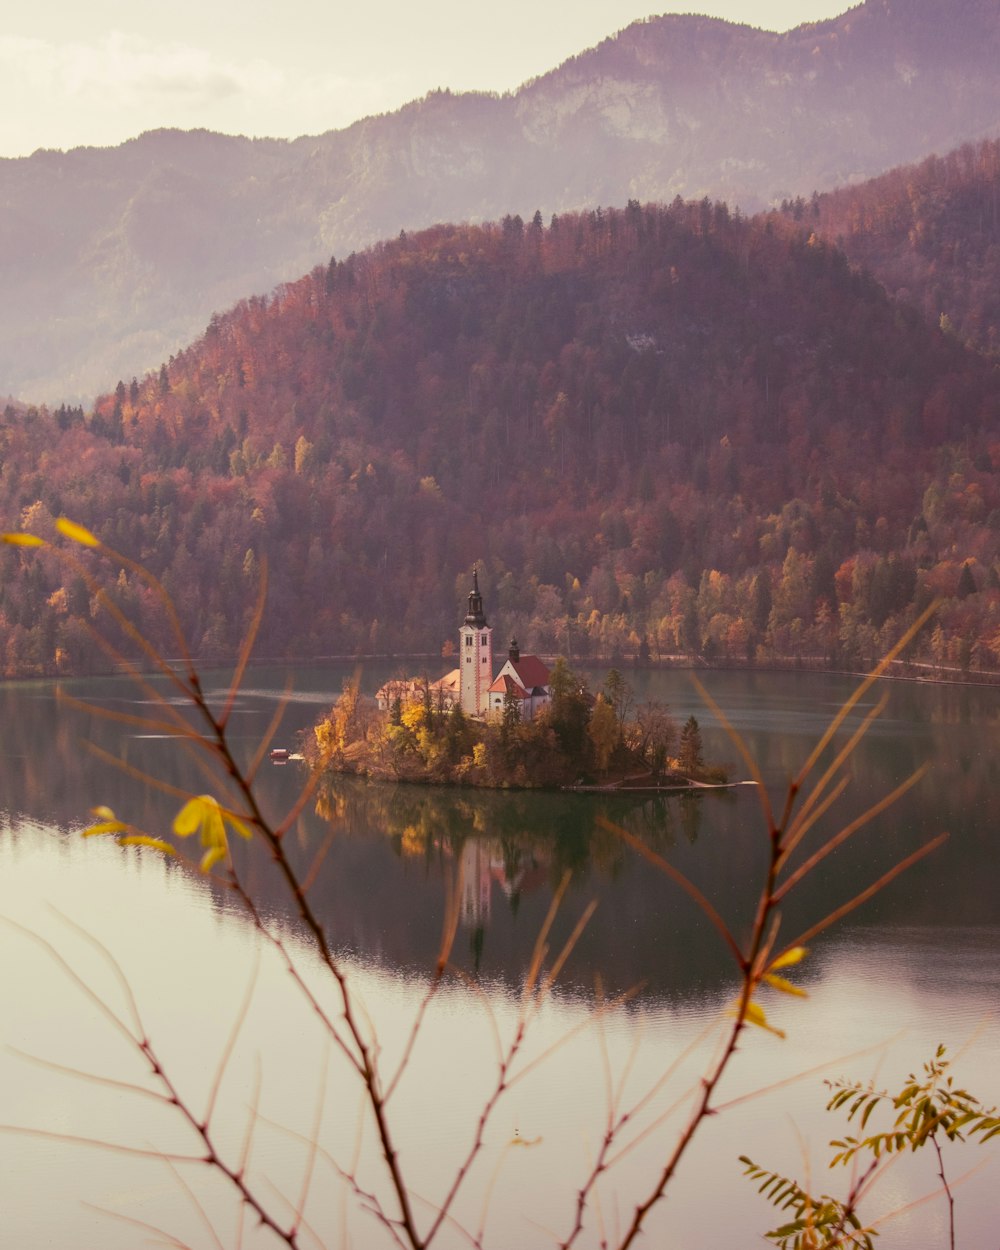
(142,839)
(755,1015)
(106,826)
(213,831)
(790,958)
(190,817)
(204,815)
(786,987)
(70,529)
(22,540)
(105,813)
(243,830)
(212,857)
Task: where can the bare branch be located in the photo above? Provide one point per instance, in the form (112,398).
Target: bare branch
(122,1218)
(92,1078)
(849,704)
(313,1143)
(679,878)
(799,826)
(737,740)
(865,895)
(199,1208)
(838,839)
(249,640)
(227,1050)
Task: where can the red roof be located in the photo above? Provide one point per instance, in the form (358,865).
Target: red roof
(531,671)
(508,686)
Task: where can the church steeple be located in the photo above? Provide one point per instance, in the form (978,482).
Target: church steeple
(475,616)
(475,655)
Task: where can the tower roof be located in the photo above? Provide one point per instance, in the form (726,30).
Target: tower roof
(475,615)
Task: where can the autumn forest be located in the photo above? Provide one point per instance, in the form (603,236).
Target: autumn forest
(659,430)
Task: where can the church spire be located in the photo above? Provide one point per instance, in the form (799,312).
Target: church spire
(475,655)
(475,616)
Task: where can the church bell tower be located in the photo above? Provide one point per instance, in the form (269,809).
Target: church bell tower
(475,648)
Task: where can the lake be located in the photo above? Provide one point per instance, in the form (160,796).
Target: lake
(912,968)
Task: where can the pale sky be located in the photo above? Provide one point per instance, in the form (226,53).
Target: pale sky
(97,72)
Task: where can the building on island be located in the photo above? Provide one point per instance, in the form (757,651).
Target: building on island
(522,678)
(443,692)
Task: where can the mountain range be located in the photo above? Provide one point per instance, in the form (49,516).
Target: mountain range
(113,259)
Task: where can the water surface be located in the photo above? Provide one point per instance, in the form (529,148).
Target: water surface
(914,967)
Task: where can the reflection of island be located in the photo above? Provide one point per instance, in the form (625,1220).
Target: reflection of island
(560,832)
(505,852)
(402,857)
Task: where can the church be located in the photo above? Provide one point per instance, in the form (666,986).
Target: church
(473,685)
(523,678)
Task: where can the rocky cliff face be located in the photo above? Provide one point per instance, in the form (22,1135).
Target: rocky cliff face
(111,259)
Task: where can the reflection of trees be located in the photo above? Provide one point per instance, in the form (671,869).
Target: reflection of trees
(406,842)
(689,806)
(568,832)
(382,885)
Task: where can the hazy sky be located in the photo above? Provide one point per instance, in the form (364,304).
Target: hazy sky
(100,71)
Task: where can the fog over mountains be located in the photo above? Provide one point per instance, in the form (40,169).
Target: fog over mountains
(112,259)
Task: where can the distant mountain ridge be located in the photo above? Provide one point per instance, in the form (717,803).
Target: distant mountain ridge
(112,259)
(930,233)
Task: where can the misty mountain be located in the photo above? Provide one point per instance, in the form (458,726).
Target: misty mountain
(112,259)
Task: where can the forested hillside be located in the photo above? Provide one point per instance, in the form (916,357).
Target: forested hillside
(110,259)
(658,427)
(930,232)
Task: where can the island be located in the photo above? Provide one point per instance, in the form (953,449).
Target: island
(526,726)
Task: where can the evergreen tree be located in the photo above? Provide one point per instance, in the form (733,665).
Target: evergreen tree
(456,734)
(692,761)
(760,602)
(618,693)
(603,730)
(569,714)
(966,582)
(509,722)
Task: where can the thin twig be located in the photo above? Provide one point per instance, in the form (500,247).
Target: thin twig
(92,1078)
(799,826)
(313,1144)
(848,831)
(865,895)
(680,879)
(249,639)
(199,1208)
(136,1223)
(234,1032)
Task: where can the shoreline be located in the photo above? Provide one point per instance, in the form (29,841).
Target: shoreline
(931,675)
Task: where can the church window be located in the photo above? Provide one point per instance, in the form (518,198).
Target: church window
(468,640)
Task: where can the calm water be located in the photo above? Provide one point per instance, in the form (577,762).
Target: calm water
(914,967)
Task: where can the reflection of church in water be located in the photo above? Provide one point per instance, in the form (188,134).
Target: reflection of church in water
(523,679)
(482,863)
